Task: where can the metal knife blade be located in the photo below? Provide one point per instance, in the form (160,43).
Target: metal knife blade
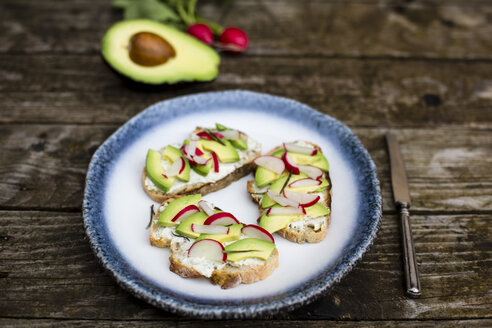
(398,172)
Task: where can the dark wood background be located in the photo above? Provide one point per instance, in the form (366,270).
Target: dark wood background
(422,69)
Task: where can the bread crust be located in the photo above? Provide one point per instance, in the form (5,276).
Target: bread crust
(308,235)
(229,276)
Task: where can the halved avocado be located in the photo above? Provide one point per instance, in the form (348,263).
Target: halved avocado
(155,172)
(150,52)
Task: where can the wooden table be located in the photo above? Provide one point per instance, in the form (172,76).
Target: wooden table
(422,69)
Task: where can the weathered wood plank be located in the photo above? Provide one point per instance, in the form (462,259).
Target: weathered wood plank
(36,323)
(48,271)
(80,89)
(44,166)
(375,28)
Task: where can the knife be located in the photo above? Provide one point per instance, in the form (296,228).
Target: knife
(402,201)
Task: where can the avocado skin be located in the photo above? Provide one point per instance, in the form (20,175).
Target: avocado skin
(194,60)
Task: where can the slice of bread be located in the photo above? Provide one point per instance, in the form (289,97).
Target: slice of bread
(226,275)
(311,231)
(242,168)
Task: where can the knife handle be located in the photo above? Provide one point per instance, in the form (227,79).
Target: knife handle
(409,260)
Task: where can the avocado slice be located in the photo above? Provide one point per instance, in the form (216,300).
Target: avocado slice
(249,248)
(264,176)
(201,169)
(184,228)
(277,185)
(234,234)
(174,207)
(319,160)
(171,154)
(154,53)
(226,153)
(276,222)
(155,172)
(239,144)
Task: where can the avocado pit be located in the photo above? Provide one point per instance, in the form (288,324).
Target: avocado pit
(149,49)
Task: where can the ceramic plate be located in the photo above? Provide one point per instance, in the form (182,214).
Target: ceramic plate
(116,209)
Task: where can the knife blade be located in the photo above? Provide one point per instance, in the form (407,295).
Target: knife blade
(402,200)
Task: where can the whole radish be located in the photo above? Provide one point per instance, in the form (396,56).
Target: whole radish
(202,32)
(233,40)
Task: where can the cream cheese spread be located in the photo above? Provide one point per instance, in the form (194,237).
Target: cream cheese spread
(317,224)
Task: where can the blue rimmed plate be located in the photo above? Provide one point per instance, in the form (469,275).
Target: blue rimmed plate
(116,208)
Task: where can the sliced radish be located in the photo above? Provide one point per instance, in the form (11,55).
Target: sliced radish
(176,168)
(165,176)
(254,231)
(221,218)
(216,162)
(206,207)
(300,149)
(212,229)
(230,134)
(280,199)
(185,212)
(272,163)
(198,152)
(289,164)
(200,160)
(308,182)
(204,135)
(287,210)
(311,171)
(209,249)
(304,199)
(191,148)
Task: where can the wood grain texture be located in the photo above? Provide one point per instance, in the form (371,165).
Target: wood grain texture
(80,89)
(48,271)
(44,166)
(358,29)
(36,323)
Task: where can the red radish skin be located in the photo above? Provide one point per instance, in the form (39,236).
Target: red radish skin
(198,152)
(233,40)
(272,163)
(202,32)
(304,199)
(185,212)
(300,149)
(288,210)
(311,171)
(254,231)
(206,207)
(221,218)
(305,183)
(216,162)
(289,164)
(204,135)
(165,176)
(211,229)
(182,165)
(209,249)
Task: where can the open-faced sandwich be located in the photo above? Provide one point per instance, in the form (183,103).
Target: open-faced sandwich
(292,186)
(208,161)
(207,242)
